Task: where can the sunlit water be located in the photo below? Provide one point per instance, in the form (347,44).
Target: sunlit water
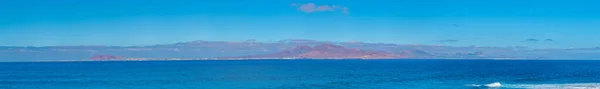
(301,74)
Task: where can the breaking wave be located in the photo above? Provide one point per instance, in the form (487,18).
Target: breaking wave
(556,86)
(491,85)
(543,86)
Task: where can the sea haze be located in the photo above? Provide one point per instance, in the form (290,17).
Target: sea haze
(300,74)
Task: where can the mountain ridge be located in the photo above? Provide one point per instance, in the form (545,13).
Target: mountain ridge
(326,51)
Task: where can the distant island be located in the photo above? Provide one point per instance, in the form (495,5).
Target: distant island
(323,51)
(285,49)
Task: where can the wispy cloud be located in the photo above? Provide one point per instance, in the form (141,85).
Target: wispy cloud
(312,8)
(531,40)
(448,41)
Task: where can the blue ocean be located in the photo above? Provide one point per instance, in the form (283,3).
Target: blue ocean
(302,74)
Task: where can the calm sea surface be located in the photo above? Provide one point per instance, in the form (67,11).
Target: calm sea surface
(301,74)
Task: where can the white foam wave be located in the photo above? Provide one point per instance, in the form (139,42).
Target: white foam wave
(555,86)
(541,86)
(491,85)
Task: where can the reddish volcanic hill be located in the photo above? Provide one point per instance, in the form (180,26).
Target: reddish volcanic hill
(327,51)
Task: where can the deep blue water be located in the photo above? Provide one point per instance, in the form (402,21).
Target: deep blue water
(300,74)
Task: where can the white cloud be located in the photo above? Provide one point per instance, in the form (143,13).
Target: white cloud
(312,7)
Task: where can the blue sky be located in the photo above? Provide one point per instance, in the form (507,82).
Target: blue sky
(569,23)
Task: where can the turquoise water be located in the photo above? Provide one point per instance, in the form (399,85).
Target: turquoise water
(300,74)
